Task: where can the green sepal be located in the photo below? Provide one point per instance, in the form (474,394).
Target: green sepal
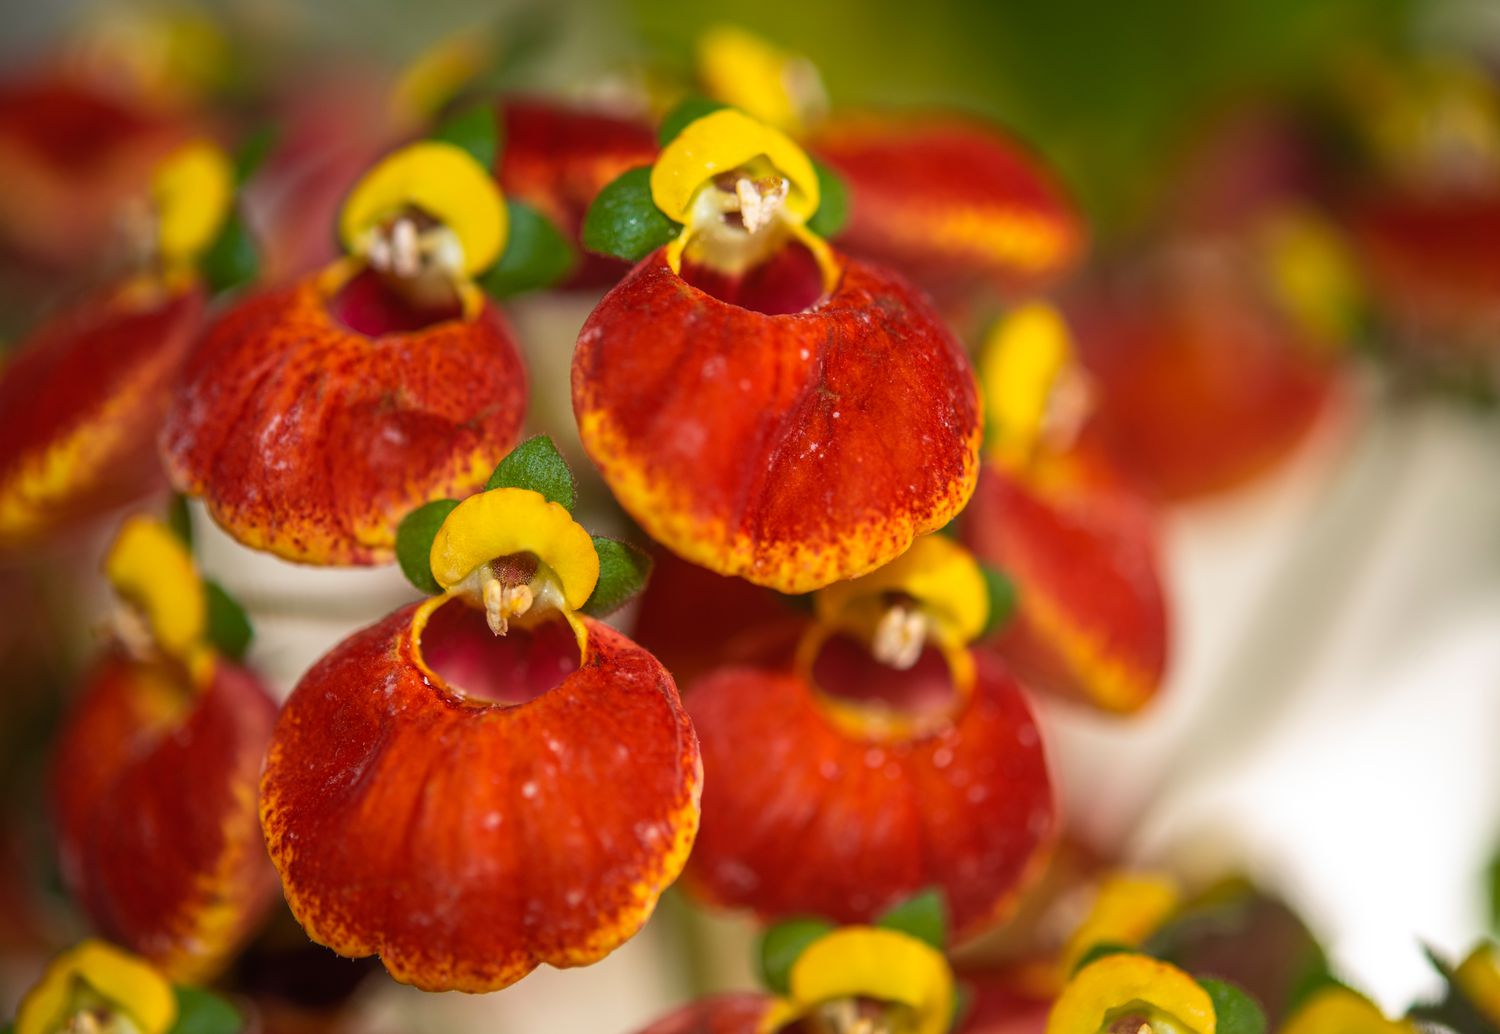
(624,222)
(783,943)
(1454,1010)
(253,152)
(476,130)
(179,520)
(203,1012)
(231,260)
(623,570)
(1103,949)
(414,537)
(924,916)
(1002,595)
(684,115)
(536,255)
(833,202)
(1235,1012)
(229,627)
(536,464)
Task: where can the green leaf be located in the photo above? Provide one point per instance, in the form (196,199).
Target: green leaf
(253,152)
(537,255)
(1104,949)
(536,464)
(923,916)
(202,1012)
(1235,1012)
(783,943)
(414,537)
(1002,593)
(231,260)
(623,222)
(476,130)
(623,570)
(179,519)
(686,113)
(833,203)
(229,627)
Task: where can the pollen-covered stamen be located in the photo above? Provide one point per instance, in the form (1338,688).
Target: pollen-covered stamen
(1131,1025)
(132,628)
(853,1015)
(98,1020)
(900,635)
(760,199)
(417,255)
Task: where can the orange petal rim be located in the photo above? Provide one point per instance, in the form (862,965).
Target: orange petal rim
(950,202)
(761,446)
(721,1014)
(468,841)
(803,816)
(1080,546)
(80,405)
(153,793)
(311,440)
(1118,986)
(1202,386)
(557,159)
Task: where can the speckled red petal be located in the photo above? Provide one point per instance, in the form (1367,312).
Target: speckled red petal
(311,440)
(80,405)
(467,844)
(998,1006)
(1202,385)
(557,158)
(950,202)
(801,816)
(153,787)
(790,450)
(721,1014)
(1080,546)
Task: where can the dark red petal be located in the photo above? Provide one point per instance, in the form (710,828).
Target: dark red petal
(722,1014)
(791,450)
(153,787)
(312,441)
(466,844)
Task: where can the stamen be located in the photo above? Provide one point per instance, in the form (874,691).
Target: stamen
(900,637)
(760,199)
(503,601)
(406,250)
(132,628)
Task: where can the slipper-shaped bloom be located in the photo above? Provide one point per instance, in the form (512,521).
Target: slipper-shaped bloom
(312,417)
(469,805)
(1052,512)
(98,987)
(1338,1010)
(1205,377)
(886,758)
(849,979)
(949,201)
(82,400)
(738,389)
(1130,992)
(154,774)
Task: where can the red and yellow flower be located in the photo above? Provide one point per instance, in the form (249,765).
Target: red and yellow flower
(885,758)
(84,397)
(1338,1010)
(469,805)
(737,389)
(1052,512)
(97,987)
(313,416)
(1127,992)
(154,774)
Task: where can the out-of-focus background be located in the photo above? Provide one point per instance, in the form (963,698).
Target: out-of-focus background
(1332,721)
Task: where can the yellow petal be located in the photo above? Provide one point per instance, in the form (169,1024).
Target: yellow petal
(870,962)
(443,181)
(1478,977)
(191,193)
(1019,366)
(150,567)
(1095,995)
(747,72)
(125,982)
(1337,1010)
(1128,908)
(937,572)
(720,142)
(436,75)
(503,521)
(1313,274)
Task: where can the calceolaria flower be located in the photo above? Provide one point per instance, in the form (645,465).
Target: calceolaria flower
(1074,537)
(154,773)
(883,758)
(312,416)
(949,201)
(1338,1010)
(738,389)
(83,398)
(489,779)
